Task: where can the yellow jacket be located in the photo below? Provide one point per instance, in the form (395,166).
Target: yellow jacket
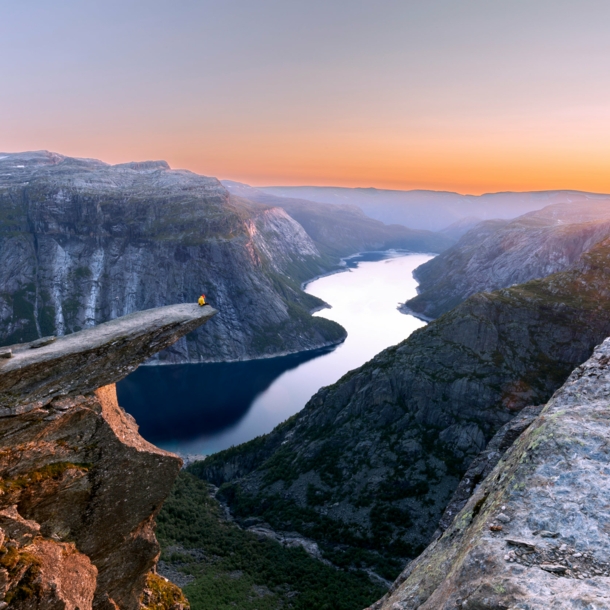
(201,301)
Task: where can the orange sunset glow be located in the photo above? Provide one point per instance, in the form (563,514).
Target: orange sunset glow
(470,97)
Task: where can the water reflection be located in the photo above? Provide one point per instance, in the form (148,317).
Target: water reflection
(203,408)
(176,402)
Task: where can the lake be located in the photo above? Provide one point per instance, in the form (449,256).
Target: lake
(198,409)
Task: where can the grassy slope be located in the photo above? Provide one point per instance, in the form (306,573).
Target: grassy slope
(240,571)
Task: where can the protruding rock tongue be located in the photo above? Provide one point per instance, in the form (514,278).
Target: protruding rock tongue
(89,359)
(79,487)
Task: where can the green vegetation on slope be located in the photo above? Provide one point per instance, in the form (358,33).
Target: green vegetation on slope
(232,568)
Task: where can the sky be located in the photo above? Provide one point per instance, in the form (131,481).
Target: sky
(465,95)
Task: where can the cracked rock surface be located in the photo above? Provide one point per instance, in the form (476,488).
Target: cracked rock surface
(536,533)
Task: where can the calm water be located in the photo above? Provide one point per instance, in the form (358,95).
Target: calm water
(203,408)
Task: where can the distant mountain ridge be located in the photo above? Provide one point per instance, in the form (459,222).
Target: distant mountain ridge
(499,253)
(340,230)
(433,210)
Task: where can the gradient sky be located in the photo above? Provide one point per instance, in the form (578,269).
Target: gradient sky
(465,95)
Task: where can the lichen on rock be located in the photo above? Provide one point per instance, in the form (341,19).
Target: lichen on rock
(161,594)
(535,534)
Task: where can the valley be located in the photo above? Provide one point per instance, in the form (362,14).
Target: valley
(83,242)
(369,465)
(305,305)
(198,409)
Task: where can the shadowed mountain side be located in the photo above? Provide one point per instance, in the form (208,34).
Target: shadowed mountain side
(433,210)
(498,253)
(341,230)
(369,465)
(83,242)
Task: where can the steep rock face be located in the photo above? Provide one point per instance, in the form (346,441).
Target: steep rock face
(82,242)
(486,461)
(79,487)
(371,462)
(535,534)
(497,254)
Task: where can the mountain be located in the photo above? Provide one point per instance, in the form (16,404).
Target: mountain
(82,242)
(433,210)
(367,468)
(535,532)
(498,253)
(341,230)
(456,229)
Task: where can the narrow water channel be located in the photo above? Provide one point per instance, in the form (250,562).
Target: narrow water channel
(198,409)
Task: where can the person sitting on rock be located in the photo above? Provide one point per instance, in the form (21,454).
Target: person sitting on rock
(201,300)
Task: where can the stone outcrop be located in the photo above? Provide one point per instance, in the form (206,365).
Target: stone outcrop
(367,468)
(498,254)
(79,487)
(536,532)
(83,242)
(486,461)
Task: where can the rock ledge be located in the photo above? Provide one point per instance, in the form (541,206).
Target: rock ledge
(79,487)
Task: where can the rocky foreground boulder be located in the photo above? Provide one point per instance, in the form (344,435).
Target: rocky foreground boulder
(79,487)
(535,534)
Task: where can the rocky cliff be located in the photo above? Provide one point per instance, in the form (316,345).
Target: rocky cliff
(536,532)
(369,465)
(79,487)
(83,242)
(498,253)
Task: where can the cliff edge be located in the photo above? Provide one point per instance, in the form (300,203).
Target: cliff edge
(79,487)
(83,242)
(535,534)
